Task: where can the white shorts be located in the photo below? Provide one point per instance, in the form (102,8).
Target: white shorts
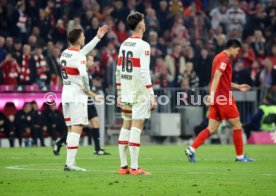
(75,113)
(136,111)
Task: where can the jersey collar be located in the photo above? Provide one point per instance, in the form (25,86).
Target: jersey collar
(135,37)
(74,49)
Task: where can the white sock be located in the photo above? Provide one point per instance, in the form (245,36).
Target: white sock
(123,145)
(134,146)
(192,149)
(72,147)
(240,157)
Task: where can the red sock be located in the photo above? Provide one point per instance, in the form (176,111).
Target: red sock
(200,139)
(237,140)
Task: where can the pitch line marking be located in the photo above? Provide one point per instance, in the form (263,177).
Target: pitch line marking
(23,167)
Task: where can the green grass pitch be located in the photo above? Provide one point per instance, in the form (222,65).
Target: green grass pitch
(36,171)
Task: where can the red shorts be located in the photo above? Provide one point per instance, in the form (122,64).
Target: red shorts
(223,112)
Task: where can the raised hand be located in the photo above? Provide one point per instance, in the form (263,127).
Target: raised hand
(102,31)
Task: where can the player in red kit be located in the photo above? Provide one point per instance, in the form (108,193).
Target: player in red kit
(222,104)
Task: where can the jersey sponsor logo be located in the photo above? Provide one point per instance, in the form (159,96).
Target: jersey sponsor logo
(223,66)
(147,53)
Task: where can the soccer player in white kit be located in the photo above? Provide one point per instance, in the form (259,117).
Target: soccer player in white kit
(135,93)
(75,90)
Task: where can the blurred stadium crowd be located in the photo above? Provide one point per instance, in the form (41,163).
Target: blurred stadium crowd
(184,36)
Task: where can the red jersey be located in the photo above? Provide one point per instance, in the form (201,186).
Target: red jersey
(222,63)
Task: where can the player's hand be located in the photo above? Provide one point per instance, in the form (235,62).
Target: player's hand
(102,31)
(209,100)
(244,87)
(99,98)
(119,101)
(153,103)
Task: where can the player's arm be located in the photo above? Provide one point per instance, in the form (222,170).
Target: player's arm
(215,82)
(145,73)
(241,87)
(84,79)
(91,45)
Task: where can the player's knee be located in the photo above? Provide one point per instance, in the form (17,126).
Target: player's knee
(237,126)
(127,124)
(139,124)
(212,129)
(95,122)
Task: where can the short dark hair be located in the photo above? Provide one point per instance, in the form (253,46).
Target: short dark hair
(74,35)
(233,43)
(134,19)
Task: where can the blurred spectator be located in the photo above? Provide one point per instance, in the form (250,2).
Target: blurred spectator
(203,67)
(55,121)
(179,32)
(163,16)
(6,128)
(38,125)
(108,59)
(185,84)
(20,22)
(189,54)
(218,15)
(160,74)
(121,32)
(85,18)
(32,41)
(3,51)
(17,50)
(39,40)
(247,54)
(258,44)
(191,75)
(28,67)
(264,119)
(236,18)
(5,21)
(9,44)
(10,70)
(266,73)
(151,20)
(255,73)
(41,67)
(220,42)
(54,66)
(176,66)
(23,122)
(272,56)
(92,30)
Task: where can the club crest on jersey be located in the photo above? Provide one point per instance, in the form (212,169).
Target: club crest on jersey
(223,66)
(147,52)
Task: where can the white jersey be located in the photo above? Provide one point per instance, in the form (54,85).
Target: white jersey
(74,74)
(132,73)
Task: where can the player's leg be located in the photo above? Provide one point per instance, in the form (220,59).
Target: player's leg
(60,142)
(78,118)
(124,138)
(63,139)
(140,113)
(201,138)
(213,124)
(73,138)
(94,129)
(237,140)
